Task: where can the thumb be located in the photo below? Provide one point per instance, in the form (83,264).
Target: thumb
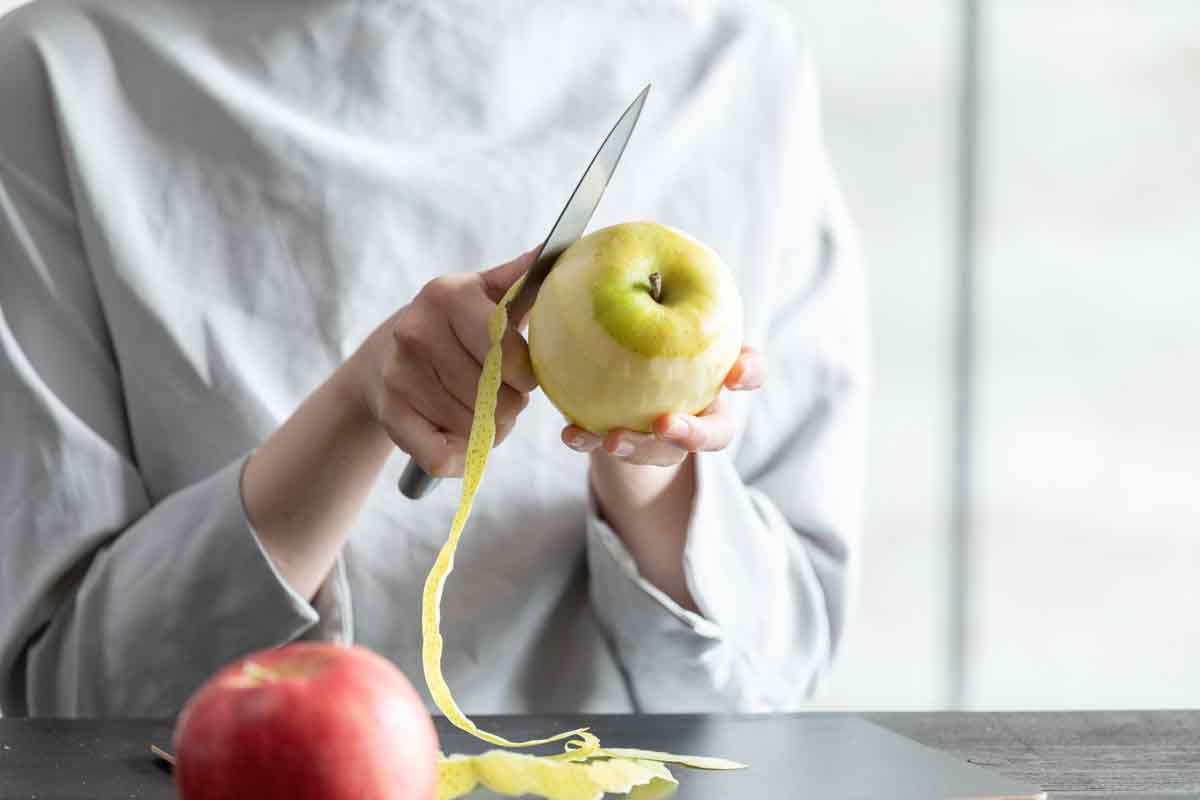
(497,280)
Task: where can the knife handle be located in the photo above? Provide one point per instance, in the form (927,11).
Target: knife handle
(415,483)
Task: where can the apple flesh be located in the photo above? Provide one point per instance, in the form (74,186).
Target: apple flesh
(634,321)
(308,720)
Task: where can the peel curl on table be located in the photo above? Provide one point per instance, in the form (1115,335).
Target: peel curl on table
(583,771)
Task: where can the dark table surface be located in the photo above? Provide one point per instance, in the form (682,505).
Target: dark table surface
(1118,754)
(1087,754)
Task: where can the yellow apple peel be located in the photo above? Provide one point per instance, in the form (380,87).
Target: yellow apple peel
(479,444)
(520,775)
(584,770)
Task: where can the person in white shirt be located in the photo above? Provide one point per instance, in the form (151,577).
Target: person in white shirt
(244,250)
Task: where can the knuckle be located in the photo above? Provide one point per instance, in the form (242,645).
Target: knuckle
(444,462)
(410,342)
(439,467)
(524,382)
(510,402)
(505,422)
(438,291)
(502,431)
(391,378)
(397,434)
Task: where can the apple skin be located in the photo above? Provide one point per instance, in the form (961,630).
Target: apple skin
(610,355)
(308,720)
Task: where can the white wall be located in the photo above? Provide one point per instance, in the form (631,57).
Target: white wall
(1091,491)
(888,76)
(1087,563)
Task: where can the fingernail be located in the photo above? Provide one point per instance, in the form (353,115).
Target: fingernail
(676,428)
(747,377)
(624,447)
(583,442)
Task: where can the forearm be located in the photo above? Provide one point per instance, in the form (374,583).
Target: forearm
(649,508)
(184,574)
(304,486)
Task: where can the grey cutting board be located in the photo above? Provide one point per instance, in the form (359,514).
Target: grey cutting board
(818,756)
(825,756)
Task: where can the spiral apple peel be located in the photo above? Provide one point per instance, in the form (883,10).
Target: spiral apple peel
(584,770)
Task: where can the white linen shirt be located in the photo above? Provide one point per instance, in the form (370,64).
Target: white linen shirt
(206,206)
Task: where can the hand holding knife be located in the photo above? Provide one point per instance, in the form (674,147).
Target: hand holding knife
(569,227)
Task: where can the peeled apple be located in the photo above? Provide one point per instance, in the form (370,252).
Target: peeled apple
(634,321)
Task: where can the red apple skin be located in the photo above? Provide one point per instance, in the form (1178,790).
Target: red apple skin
(308,720)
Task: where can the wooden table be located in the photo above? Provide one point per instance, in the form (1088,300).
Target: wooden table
(1154,754)
(1093,754)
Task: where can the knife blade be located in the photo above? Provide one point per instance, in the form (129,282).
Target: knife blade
(577,213)
(568,228)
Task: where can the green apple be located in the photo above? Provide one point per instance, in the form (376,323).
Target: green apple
(634,321)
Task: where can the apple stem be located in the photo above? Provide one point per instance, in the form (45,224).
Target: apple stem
(162,754)
(656,286)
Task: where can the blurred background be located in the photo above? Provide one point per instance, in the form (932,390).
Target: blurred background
(1026,177)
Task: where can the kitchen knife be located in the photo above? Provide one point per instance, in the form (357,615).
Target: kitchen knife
(572,222)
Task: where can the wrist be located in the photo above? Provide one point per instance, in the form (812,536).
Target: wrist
(649,508)
(349,401)
(641,501)
(349,385)
(311,474)
(629,484)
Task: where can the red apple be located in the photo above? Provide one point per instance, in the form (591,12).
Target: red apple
(308,720)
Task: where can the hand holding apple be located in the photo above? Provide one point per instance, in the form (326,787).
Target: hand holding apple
(675,435)
(635,332)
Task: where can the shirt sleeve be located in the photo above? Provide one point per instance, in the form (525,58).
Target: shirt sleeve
(773,546)
(111,602)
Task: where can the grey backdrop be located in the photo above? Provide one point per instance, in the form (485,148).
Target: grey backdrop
(1082,542)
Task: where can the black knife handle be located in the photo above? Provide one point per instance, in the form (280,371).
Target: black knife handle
(415,483)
